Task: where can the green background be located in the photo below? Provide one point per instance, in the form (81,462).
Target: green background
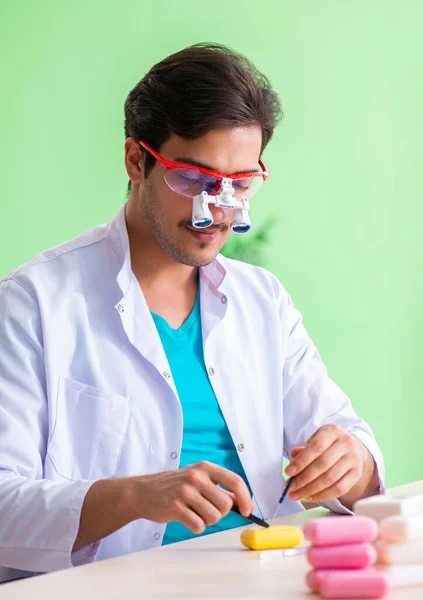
(346,175)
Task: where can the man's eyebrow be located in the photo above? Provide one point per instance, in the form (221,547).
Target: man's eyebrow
(196,163)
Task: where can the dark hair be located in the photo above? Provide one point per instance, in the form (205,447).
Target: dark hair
(198,89)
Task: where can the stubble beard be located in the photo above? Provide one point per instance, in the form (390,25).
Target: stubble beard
(155,222)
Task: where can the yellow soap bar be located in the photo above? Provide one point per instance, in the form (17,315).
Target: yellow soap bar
(283,536)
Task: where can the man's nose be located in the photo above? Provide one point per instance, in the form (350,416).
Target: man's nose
(219,213)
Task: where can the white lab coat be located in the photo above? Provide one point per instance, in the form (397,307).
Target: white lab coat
(86,391)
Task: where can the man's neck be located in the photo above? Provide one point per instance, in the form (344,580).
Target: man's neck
(170,288)
(152,266)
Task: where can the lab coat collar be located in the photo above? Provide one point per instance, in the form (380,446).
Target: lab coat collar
(118,234)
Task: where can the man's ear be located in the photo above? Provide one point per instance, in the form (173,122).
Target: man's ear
(134,161)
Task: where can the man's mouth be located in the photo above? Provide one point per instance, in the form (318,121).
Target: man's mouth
(203,235)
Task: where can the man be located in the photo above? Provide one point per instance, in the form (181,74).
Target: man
(146,380)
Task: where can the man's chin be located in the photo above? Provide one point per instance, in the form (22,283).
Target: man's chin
(200,255)
(199,259)
(194,251)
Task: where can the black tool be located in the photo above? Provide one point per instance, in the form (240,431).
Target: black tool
(284,493)
(251,517)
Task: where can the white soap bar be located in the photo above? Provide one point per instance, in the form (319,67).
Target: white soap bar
(398,529)
(399,554)
(281,553)
(404,576)
(380,507)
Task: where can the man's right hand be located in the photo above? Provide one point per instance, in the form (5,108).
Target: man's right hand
(190,495)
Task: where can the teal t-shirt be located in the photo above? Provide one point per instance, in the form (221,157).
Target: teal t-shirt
(205,434)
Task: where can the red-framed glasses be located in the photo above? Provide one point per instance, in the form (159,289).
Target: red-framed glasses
(190,180)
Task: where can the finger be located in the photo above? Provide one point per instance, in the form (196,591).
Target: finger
(204,509)
(326,480)
(191,491)
(183,514)
(338,489)
(319,466)
(220,498)
(324,438)
(295,451)
(251,507)
(234,502)
(232,482)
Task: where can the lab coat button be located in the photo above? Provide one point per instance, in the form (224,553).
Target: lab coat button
(211,371)
(173,455)
(240,447)
(120,308)
(157,536)
(224,299)
(166,374)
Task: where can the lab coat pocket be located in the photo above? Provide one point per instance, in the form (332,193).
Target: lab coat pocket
(89,431)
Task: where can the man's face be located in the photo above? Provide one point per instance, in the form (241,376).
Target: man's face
(167,215)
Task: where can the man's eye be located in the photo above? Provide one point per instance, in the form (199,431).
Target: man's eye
(190,179)
(241,186)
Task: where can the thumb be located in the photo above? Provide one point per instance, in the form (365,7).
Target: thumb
(295,451)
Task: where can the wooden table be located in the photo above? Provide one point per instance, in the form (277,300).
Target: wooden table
(214,566)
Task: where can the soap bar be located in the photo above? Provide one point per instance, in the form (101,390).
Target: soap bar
(348,556)
(314,578)
(278,553)
(284,536)
(398,529)
(327,531)
(380,507)
(348,581)
(405,575)
(399,554)
(368,583)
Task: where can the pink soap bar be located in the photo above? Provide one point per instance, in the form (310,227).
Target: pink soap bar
(314,578)
(327,531)
(349,556)
(367,583)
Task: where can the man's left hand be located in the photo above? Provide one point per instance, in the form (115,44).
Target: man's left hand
(332,464)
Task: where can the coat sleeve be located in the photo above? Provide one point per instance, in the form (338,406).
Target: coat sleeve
(311,399)
(39,519)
